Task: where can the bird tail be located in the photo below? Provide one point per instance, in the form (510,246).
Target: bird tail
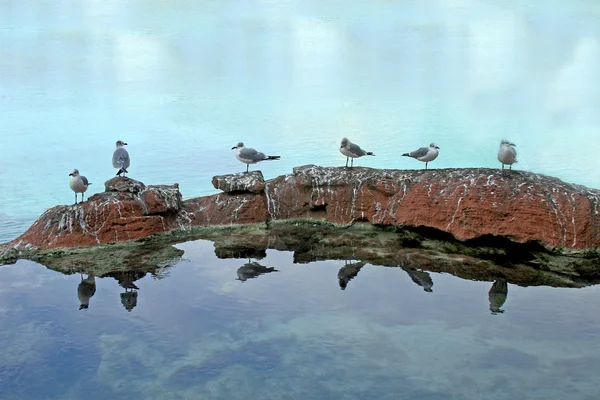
(273,157)
(406,155)
(369,153)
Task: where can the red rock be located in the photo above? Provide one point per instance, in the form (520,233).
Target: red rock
(252,182)
(468,203)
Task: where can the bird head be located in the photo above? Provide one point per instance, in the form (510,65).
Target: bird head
(121,143)
(434,146)
(238,146)
(75,172)
(345,142)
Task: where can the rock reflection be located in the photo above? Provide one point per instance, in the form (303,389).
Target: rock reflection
(497,296)
(421,278)
(85,291)
(253,269)
(348,272)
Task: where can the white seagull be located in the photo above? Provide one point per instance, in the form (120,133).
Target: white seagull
(507,153)
(120,158)
(351,150)
(250,156)
(78,183)
(425,154)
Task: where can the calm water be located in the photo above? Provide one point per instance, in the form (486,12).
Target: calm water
(184,81)
(201,332)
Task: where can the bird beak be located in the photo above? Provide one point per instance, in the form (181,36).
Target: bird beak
(234,147)
(71,174)
(512,144)
(125,144)
(437,147)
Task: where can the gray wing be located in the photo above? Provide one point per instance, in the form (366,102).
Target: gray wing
(354,149)
(251,154)
(85,181)
(514,151)
(120,158)
(419,153)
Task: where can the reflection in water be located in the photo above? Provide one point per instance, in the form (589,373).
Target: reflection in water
(348,272)
(85,290)
(421,278)
(126,278)
(497,296)
(252,269)
(221,340)
(129,299)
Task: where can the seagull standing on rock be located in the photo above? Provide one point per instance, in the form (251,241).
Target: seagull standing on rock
(507,153)
(78,183)
(120,158)
(425,154)
(351,150)
(250,156)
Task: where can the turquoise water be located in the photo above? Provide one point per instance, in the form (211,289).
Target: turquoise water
(196,331)
(184,81)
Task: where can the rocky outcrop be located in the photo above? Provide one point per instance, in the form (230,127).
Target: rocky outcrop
(127,210)
(251,182)
(466,203)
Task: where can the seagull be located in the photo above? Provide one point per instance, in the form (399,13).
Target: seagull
(250,156)
(78,183)
(507,153)
(425,154)
(351,150)
(120,158)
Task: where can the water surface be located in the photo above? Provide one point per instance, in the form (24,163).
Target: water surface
(182,82)
(205,327)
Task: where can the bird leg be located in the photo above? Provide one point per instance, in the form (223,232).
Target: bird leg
(347,161)
(510,167)
(75,198)
(247,166)
(502,166)
(352,163)
(426,164)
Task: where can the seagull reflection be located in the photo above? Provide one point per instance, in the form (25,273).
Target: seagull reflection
(497,296)
(85,290)
(421,278)
(348,272)
(252,269)
(126,278)
(129,299)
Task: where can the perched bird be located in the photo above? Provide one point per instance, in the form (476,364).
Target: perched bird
(425,154)
(351,150)
(497,296)
(85,290)
(78,183)
(120,158)
(253,270)
(250,156)
(348,272)
(507,153)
